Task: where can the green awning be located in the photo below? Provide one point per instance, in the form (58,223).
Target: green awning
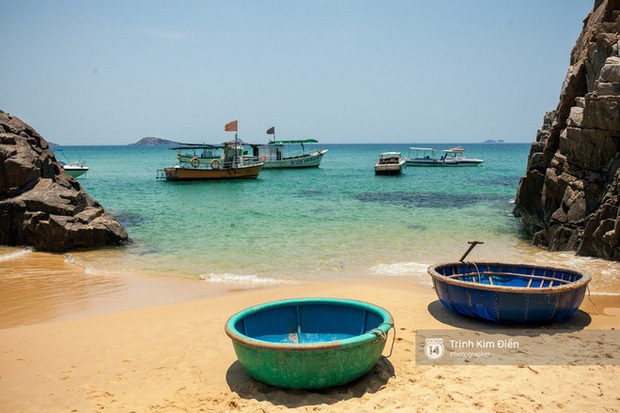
(293,141)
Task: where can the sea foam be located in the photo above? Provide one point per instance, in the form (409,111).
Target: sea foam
(415,270)
(240,279)
(15,255)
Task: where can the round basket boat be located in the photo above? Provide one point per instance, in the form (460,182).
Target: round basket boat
(309,343)
(509,293)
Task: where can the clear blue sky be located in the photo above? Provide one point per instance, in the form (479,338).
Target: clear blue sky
(113,72)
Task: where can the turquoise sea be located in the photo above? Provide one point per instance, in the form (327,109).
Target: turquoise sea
(336,222)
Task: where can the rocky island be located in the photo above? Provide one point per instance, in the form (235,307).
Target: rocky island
(569,197)
(151,141)
(40,205)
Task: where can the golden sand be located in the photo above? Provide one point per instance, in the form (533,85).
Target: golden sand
(72,342)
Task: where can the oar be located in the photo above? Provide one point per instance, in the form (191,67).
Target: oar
(472,244)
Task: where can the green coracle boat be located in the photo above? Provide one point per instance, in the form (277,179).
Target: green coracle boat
(309,343)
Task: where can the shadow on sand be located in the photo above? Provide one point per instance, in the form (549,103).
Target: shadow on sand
(240,382)
(576,322)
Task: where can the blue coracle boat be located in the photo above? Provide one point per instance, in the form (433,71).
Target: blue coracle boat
(509,293)
(309,343)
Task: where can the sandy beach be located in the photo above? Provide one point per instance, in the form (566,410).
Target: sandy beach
(153,345)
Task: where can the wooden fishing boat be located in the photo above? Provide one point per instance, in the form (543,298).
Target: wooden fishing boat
(309,343)
(509,293)
(231,164)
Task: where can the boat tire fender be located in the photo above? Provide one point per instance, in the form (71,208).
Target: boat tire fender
(215,164)
(195,162)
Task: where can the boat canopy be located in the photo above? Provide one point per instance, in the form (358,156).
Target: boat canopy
(293,141)
(195,146)
(413,148)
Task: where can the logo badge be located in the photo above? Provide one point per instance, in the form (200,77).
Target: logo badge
(434,348)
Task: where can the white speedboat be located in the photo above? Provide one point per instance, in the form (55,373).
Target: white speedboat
(389,163)
(450,157)
(75,169)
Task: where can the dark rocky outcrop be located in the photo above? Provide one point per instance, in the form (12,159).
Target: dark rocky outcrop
(569,197)
(42,206)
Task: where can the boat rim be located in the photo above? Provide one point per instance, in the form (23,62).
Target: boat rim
(380,332)
(582,282)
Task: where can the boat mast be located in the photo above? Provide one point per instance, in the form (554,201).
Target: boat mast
(232,127)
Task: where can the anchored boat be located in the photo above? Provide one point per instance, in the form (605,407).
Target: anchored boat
(230,165)
(450,157)
(309,343)
(281,154)
(75,169)
(278,154)
(208,165)
(389,163)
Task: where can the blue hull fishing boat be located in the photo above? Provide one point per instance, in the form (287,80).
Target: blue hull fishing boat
(309,343)
(509,293)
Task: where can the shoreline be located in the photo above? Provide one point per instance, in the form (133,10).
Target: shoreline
(40,287)
(151,355)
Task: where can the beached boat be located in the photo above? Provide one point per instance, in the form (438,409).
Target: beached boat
(287,154)
(509,293)
(389,163)
(450,157)
(309,343)
(75,169)
(231,164)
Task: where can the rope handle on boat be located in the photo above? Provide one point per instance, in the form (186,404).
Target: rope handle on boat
(383,335)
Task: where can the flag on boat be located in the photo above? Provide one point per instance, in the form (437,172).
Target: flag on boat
(231,126)
(271,131)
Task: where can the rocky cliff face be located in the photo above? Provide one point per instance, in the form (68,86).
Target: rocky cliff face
(40,205)
(569,196)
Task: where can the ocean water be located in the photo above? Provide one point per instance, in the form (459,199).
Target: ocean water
(336,222)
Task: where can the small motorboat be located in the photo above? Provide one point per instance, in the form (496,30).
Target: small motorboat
(509,293)
(75,169)
(309,343)
(389,163)
(450,157)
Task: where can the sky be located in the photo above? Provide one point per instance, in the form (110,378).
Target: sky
(339,71)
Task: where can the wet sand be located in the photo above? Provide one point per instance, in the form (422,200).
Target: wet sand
(74,342)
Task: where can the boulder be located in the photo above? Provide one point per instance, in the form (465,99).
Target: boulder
(569,197)
(40,205)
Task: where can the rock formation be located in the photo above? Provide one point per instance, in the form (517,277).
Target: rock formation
(569,197)
(150,141)
(42,206)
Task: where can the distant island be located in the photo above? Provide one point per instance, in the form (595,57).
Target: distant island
(494,141)
(150,141)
